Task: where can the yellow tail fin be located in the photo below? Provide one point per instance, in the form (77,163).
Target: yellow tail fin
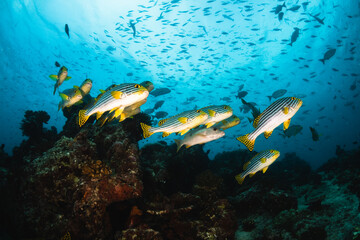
(146,129)
(178,144)
(239,178)
(249,143)
(82,117)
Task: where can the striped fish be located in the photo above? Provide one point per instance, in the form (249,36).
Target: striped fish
(280,111)
(114,99)
(228,123)
(216,114)
(180,123)
(260,161)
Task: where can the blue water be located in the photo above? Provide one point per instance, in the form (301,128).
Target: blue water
(202,49)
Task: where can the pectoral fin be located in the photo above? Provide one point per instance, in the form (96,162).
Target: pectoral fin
(286,124)
(183,120)
(212,113)
(285,110)
(116,94)
(67,78)
(64,97)
(53,77)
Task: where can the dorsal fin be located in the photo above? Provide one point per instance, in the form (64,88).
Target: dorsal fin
(256,121)
(161,122)
(246,165)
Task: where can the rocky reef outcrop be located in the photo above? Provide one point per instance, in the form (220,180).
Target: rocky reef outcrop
(94,183)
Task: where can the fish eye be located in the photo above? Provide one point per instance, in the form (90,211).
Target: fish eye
(197,111)
(137,86)
(272,151)
(292,98)
(215,129)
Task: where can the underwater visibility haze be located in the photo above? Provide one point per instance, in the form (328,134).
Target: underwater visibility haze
(93,92)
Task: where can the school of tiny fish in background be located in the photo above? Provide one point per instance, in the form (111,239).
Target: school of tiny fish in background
(199,126)
(222,54)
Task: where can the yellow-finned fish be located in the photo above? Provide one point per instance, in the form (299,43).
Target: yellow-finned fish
(60,77)
(180,123)
(228,123)
(260,161)
(70,97)
(114,99)
(129,111)
(280,111)
(199,135)
(216,114)
(86,86)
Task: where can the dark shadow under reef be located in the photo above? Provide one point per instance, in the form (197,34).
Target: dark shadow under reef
(94,183)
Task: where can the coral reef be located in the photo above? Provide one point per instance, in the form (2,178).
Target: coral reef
(94,183)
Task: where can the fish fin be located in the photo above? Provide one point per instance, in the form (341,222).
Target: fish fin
(67,78)
(116,94)
(251,174)
(256,121)
(263,160)
(82,117)
(285,110)
(269,98)
(239,178)
(265,168)
(146,129)
(53,77)
(178,144)
(183,119)
(64,97)
(77,87)
(209,124)
(184,131)
(98,115)
(268,134)
(123,117)
(60,105)
(119,111)
(212,113)
(187,146)
(246,165)
(165,134)
(79,102)
(161,122)
(249,143)
(286,124)
(102,91)
(322,60)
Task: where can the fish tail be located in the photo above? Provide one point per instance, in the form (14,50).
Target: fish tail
(82,117)
(322,60)
(269,98)
(240,178)
(249,143)
(178,144)
(284,5)
(146,129)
